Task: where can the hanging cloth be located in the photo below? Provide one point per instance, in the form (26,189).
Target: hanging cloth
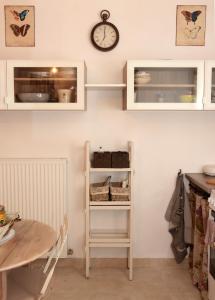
(175,216)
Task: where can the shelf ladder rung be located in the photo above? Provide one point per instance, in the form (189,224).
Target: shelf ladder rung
(109,245)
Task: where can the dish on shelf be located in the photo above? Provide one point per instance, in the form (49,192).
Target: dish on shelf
(187,98)
(68,74)
(39,74)
(33,97)
(142,77)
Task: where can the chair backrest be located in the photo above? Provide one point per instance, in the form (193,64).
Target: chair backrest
(56,252)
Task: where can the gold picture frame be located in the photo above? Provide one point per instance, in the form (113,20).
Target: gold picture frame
(19,25)
(190,25)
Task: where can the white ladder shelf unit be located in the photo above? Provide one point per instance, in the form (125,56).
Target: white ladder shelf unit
(103,239)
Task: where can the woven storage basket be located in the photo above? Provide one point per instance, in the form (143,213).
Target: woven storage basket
(118,193)
(99,192)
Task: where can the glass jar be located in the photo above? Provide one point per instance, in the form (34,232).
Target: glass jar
(2,215)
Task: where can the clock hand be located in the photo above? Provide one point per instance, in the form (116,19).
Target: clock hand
(104,33)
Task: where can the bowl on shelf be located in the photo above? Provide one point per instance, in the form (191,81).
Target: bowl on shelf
(39,74)
(142,77)
(33,97)
(187,98)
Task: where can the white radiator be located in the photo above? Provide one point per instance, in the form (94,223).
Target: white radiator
(36,188)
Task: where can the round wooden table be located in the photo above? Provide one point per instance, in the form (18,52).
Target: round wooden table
(31,241)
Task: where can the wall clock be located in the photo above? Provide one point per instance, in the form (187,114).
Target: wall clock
(104,35)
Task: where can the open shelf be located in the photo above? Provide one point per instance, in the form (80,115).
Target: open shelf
(104,86)
(45,79)
(164,85)
(110,203)
(107,236)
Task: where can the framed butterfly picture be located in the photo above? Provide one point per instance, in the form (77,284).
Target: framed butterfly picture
(19,26)
(190,25)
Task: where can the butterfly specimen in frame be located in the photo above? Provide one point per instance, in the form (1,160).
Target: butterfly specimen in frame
(192,33)
(23,30)
(191,16)
(20,16)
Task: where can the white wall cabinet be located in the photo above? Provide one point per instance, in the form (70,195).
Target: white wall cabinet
(148,85)
(164,85)
(209,98)
(45,85)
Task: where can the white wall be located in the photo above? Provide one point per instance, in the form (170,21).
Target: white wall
(164,141)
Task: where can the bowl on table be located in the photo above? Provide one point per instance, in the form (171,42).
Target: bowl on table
(33,97)
(6,230)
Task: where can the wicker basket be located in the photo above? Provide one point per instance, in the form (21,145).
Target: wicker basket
(119,193)
(99,192)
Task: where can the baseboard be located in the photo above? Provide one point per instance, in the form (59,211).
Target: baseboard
(121,262)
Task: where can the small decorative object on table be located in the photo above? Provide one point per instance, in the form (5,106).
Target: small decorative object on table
(209,170)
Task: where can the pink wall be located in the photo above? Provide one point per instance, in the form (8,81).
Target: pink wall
(164,141)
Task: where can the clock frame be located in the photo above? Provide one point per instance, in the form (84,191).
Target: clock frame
(105,14)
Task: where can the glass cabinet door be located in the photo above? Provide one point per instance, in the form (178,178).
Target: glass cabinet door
(40,86)
(165,85)
(45,85)
(209,101)
(168,85)
(213,86)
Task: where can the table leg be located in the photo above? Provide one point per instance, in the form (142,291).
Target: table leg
(3,285)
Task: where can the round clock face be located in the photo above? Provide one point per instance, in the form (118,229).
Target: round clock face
(105,36)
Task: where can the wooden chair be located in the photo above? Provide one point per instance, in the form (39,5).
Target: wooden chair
(31,282)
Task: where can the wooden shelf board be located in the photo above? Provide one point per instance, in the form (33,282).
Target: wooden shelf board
(105,85)
(110,245)
(164,85)
(110,207)
(110,203)
(107,236)
(110,170)
(45,79)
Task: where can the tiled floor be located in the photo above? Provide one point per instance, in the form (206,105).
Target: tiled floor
(152,281)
